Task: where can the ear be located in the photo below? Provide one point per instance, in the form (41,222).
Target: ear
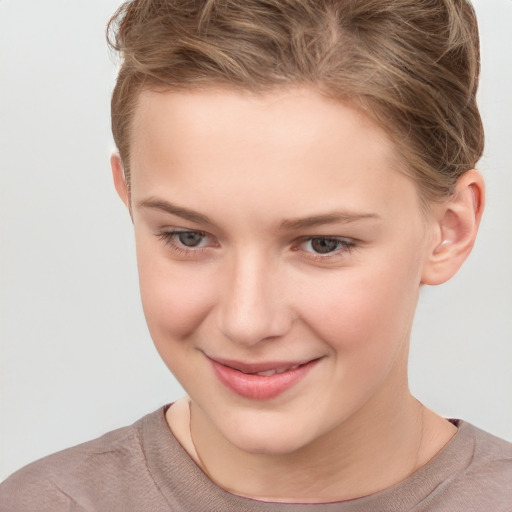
(119,179)
(455,227)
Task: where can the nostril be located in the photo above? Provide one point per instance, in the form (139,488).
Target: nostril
(250,327)
(251,308)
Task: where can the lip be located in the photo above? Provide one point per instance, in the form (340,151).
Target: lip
(241,378)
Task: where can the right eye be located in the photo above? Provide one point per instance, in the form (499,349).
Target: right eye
(190,238)
(186,241)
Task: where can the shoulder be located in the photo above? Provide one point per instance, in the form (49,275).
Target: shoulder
(491,455)
(75,478)
(481,473)
(491,466)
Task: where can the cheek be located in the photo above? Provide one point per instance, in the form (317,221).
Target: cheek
(367,310)
(176,297)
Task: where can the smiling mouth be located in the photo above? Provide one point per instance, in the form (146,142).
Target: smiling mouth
(264,368)
(261,381)
(269,373)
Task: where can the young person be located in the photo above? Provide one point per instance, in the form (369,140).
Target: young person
(295,171)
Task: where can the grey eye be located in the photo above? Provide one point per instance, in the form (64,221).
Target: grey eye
(325,245)
(190,238)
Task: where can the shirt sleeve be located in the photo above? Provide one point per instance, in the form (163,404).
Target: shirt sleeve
(30,491)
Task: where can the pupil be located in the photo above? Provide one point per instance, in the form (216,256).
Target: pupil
(190,239)
(324,245)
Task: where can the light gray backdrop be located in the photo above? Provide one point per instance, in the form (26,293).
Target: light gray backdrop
(75,357)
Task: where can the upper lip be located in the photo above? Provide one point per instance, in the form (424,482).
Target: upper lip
(260,366)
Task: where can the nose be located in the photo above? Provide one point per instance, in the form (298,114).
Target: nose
(253,305)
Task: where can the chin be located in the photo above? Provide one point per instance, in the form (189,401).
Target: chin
(261,439)
(268,446)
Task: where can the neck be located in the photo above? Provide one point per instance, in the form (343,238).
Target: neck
(376,448)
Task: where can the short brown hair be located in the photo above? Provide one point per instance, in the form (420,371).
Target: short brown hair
(411,65)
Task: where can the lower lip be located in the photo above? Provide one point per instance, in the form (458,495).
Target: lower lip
(260,387)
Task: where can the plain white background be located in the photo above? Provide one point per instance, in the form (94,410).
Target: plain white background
(76,359)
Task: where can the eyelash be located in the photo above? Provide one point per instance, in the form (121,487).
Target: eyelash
(346,245)
(169,239)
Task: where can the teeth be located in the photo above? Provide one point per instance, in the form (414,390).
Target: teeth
(268,373)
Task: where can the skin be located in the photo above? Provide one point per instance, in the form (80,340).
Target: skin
(256,289)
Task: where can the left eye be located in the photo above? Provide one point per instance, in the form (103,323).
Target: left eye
(326,245)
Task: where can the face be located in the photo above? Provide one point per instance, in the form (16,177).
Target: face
(280,253)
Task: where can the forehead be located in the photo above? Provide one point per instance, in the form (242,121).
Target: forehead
(286,115)
(285,144)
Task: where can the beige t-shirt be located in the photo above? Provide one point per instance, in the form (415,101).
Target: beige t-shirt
(143,468)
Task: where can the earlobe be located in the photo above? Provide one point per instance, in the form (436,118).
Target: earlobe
(456,226)
(119,179)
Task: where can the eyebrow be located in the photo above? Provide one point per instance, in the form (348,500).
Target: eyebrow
(337,217)
(341,217)
(179,211)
